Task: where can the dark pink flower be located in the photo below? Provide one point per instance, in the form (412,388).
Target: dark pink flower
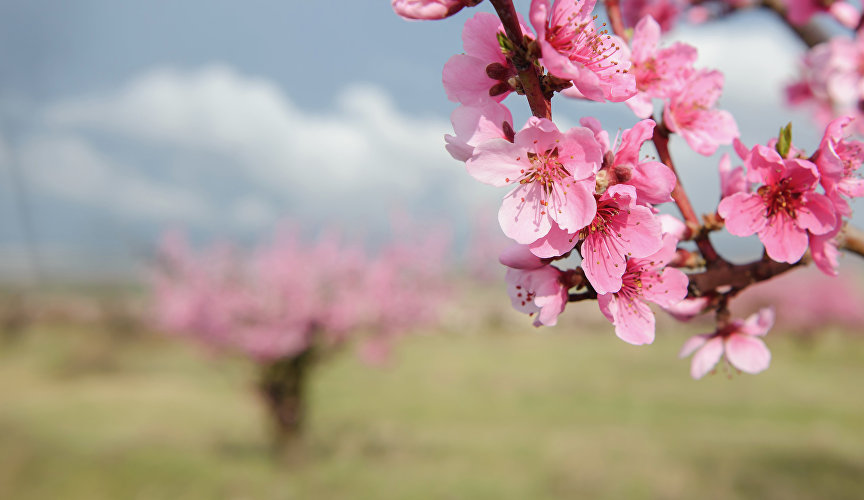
(645,280)
(573,49)
(838,160)
(553,173)
(690,112)
(783,209)
(621,229)
(739,341)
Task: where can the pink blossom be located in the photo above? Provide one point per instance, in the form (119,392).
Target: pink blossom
(738,341)
(688,308)
(731,180)
(830,80)
(620,229)
(664,12)
(799,12)
(427,9)
(537,291)
(573,49)
(690,113)
(659,73)
(783,209)
(823,249)
(653,180)
(553,173)
(838,160)
(482,71)
(645,279)
(473,125)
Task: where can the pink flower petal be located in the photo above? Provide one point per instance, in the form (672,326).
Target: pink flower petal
(747,353)
(706,357)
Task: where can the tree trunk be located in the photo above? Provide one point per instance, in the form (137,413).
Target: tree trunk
(282,385)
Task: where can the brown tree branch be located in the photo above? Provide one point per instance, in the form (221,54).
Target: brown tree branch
(810,33)
(528,75)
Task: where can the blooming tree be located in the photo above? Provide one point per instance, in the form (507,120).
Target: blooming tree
(576,192)
(292,302)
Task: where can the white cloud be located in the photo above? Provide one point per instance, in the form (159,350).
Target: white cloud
(70,168)
(362,144)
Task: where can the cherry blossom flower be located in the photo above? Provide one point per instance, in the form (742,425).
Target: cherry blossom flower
(482,71)
(428,9)
(620,229)
(664,12)
(473,125)
(690,112)
(838,160)
(645,279)
(732,180)
(738,341)
(554,177)
(572,48)
(659,73)
(783,209)
(534,287)
(653,180)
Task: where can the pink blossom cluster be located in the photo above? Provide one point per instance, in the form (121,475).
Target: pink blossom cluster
(831,80)
(580,193)
(778,197)
(290,295)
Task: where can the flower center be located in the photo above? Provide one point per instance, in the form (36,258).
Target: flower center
(546,169)
(781,197)
(606,211)
(583,44)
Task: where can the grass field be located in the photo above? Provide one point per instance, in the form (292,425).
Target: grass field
(471,413)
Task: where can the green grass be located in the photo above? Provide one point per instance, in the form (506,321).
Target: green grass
(464,413)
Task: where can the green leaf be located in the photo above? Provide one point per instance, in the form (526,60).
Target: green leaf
(505,43)
(784,141)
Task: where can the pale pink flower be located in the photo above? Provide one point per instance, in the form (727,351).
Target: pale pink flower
(690,112)
(653,180)
(732,180)
(554,177)
(659,73)
(823,249)
(688,308)
(482,71)
(783,209)
(645,280)
(572,48)
(537,291)
(428,9)
(738,341)
(620,229)
(473,125)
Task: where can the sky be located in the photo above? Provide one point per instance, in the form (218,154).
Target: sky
(119,120)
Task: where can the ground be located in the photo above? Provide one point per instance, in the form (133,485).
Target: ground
(474,412)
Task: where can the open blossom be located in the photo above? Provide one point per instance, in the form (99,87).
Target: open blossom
(534,287)
(473,125)
(653,180)
(620,229)
(838,160)
(428,9)
(645,280)
(690,112)
(573,49)
(659,73)
(783,209)
(553,173)
(482,71)
(738,341)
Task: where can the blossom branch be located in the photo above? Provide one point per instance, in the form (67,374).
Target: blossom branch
(700,236)
(613,11)
(540,106)
(851,239)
